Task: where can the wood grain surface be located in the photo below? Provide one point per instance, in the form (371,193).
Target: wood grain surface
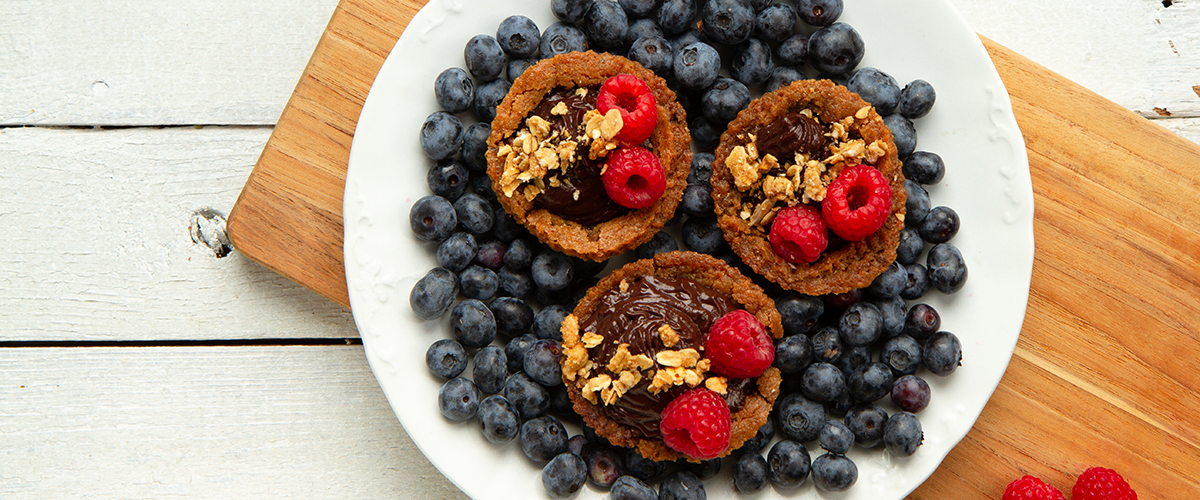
(1106,369)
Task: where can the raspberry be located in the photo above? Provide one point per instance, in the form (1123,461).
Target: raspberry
(1031,488)
(697,424)
(738,346)
(1098,483)
(633,177)
(857,202)
(639,109)
(799,234)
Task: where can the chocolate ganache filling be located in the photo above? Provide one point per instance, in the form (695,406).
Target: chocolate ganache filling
(634,317)
(579,196)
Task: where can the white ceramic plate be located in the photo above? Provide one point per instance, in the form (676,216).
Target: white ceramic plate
(987,182)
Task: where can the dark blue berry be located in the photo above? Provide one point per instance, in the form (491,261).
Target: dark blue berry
(703,235)
(752,63)
(472,323)
(552,271)
(516,283)
(448,178)
(800,418)
(819,12)
(578,444)
(547,323)
(860,324)
(877,88)
(924,167)
(661,242)
(543,438)
(902,434)
(794,353)
(489,369)
(750,473)
(513,316)
(789,464)
(910,245)
(776,22)
(841,301)
(561,38)
(454,90)
(488,96)
(835,49)
(889,283)
(519,37)
(799,313)
(458,399)
(763,436)
(852,359)
(792,51)
(641,467)
(530,398)
(902,353)
(697,200)
(911,393)
(605,24)
(782,76)
(475,146)
(688,37)
(498,419)
(903,133)
(446,358)
(541,362)
(947,269)
(727,21)
(940,225)
(560,402)
(891,310)
(836,437)
(474,213)
(917,206)
(484,57)
(514,351)
(827,344)
(639,8)
(517,67)
(478,282)
(943,353)
(832,472)
(916,99)
(490,254)
(867,421)
(676,16)
(704,133)
(696,66)
(918,282)
(564,475)
(457,251)
(823,382)
(870,382)
(724,99)
(507,229)
(604,465)
(441,135)
(519,254)
(432,295)
(643,27)
(570,11)
(921,321)
(681,485)
(654,53)
(631,488)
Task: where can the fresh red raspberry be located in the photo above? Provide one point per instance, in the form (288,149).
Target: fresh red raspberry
(633,177)
(697,423)
(639,109)
(738,346)
(798,234)
(857,202)
(1098,483)
(1031,488)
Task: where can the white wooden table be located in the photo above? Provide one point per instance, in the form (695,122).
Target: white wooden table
(134,363)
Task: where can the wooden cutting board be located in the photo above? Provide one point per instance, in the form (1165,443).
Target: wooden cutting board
(1107,369)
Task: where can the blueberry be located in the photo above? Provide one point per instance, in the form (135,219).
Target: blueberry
(681,40)
(870,382)
(776,22)
(918,282)
(446,358)
(513,316)
(432,295)
(516,283)
(867,422)
(832,472)
(488,96)
(661,242)
(454,90)
(860,324)
(902,434)
(477,282)
(752,64)
(819,12)
(564,475)
(472,323)
(543,438)
(578,444)
(631,488)
(548,321)
(703,235)
(836,437)
(638,8)
(761,437)
(519,254)
(782,76)
(653,52)
(911,393)
(498,418)
(921,321)
(490,254)
(605,23)
(910,246)
(530,398)
(924,167)
(943,353)
(514,351)
(889,283)
(643,27)
(823,382)
(704,133)
(681,485)
(727,21)
(541,362)
(835,49)
(792,51)
(604,465)
(916,99)
(697,200)
(800,418)
(441,135)
(456,252)
(724,99)
(793,354)
(458,399)
(947,269)
(789,464)
(902,353)
(448,178)
(517,67)
(799,313)
(827,344)
(641,467)
(841,301)
(570,11)
(917,206)
(490,369)
(484,57)
(940,225)
(508,230)
(704,469)
(518,37)
(750,473)
(675,16)
(903,133)
(475,146)
(552,271)
(474,213)
(877,88)
(561,38)
(696,65)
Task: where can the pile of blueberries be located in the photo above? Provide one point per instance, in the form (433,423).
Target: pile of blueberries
(844,357)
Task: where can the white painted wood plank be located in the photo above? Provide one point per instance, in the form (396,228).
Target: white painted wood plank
(97,243)
(1188,128)
(203,422)
(130,62)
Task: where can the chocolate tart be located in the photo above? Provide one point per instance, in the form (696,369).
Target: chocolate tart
(641,309)
(849,131)
(591,226)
